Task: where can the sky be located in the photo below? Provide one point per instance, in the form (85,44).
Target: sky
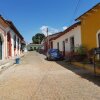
(33,16)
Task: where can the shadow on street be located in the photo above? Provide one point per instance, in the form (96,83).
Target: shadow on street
(81,72)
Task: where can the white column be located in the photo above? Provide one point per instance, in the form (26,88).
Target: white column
(12,43)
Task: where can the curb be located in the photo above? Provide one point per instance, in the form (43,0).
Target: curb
(6,65)
(87,67)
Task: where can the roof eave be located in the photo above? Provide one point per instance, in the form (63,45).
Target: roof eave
(94,7)
(67,30)
(12,26)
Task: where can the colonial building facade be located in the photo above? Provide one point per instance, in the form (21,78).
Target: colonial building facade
(90,27)
(68,39)
(10,40)
(47,43)
(86,33)
(32,47)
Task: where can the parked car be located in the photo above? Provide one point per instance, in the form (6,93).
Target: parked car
(41,51)
(54,54)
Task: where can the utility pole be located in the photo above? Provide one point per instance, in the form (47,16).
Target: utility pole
(39,40)
(47,38)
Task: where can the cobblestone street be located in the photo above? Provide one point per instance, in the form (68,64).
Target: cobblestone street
(38,79)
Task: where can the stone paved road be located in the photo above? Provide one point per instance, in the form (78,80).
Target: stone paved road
(38,79)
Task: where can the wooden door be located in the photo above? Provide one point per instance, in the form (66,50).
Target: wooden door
(72,44)
(51,44)
(63,48)
(9,44)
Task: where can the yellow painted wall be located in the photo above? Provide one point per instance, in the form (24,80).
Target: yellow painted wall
(90,26)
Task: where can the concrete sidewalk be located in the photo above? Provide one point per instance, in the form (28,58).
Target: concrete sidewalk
(4,64)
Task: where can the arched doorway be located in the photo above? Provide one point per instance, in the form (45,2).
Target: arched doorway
(0,48)
(9,44)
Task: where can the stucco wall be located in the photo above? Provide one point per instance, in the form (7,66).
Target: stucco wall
(76,32)
(12,33)
(90,27)
(4,29)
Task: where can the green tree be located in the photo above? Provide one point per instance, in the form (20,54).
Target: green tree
(37,39)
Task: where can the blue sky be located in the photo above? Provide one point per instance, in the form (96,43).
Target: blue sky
(30,16)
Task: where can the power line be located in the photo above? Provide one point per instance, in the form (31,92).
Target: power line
(76,10)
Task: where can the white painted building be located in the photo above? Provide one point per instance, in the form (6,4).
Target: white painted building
(10,40)
(69,39)
(2,42)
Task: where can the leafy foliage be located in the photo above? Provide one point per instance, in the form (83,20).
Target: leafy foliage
(81,50)
(37,39)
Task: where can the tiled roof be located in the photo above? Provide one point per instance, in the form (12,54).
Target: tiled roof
(12,26)
(53,37)
(50,37)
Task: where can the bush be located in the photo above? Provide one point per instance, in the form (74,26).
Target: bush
(81,53)
(81,50)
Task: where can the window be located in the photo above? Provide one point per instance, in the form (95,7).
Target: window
(18,43)
(72,43)
(66,40)
(63,43)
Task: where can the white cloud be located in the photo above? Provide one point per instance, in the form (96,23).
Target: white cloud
(43,28)
(50,30)
(65,27)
